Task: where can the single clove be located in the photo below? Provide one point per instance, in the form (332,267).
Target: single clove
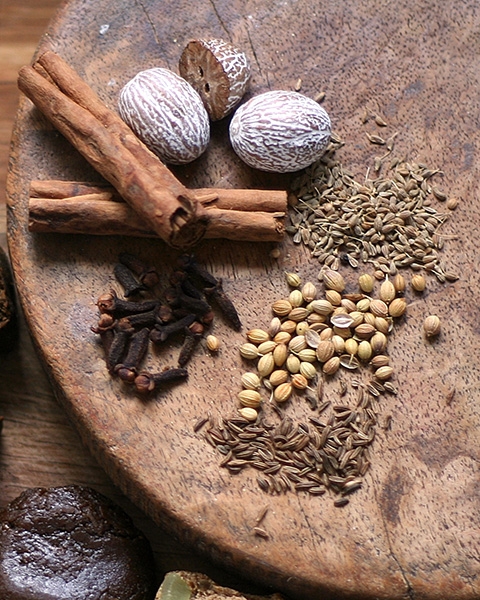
(125,277)
(148,276)
(193,335)
(121,335)
(224,304)
(164,314)
(147,382)
(161,332)
(188,263)
(143,319)
(105,322)
(111,303)
(199,306)
(137,348)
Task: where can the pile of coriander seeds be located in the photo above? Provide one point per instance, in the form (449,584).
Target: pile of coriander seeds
(309,334)
(316,331)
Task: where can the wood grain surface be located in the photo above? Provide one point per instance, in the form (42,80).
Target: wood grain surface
(412,530)
(39,445)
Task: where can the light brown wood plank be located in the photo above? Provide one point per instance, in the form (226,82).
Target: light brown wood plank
(38,445)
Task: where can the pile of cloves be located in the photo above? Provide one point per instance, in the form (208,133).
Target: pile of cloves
(184,309)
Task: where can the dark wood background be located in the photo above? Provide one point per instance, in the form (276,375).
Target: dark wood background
(38,445)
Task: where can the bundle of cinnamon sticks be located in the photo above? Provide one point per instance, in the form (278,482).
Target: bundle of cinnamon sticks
(144,197)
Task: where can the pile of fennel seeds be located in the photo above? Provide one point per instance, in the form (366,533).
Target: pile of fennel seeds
(392,221)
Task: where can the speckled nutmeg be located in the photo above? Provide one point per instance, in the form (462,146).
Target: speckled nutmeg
(218,71)
(280,131)
(167,114)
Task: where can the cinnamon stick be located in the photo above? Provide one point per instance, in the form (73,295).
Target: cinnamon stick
(228,199)
(110,146)
(88,215)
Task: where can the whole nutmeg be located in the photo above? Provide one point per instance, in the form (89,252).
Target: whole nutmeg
(280,131)
(167,114)
(218,71)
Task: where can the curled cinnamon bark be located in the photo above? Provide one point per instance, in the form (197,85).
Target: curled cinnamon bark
(107,143)
(87,215)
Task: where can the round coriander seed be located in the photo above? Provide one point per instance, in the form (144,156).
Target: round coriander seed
(213,343)
(282,337)
(293,279)
(251,381)
(363,305)
(325,350)
(364,351)
(379,308)
(293,364)
(399,283)
(307,355)
(309,291)
(280,354)
(257,336)
(381,360)
(397,307)
(295,298)
(383,373)
(308,370)
(302,328)
(331,366)
(351,346)
(378,341)
(418,282)
(432,326)
(265,365)
(299,381)
(333,297)
(387,291)
(274,327)
(250,398)
(297,343)
(322,307)
(366,283)
(248,351)
(266,347)
(289,326)
(250,414)
(333,280)
(281,308)
(283,392)
(278,377)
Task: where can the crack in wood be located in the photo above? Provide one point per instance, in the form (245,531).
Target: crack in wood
(150,21)
(409,589)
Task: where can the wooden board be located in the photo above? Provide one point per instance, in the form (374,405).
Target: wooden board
(412,531)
